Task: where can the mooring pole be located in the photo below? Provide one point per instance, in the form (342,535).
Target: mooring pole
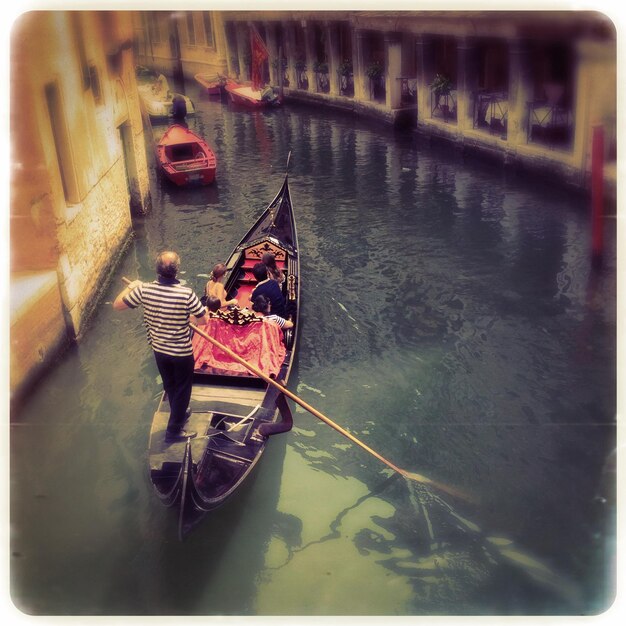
(280,72)
(597,195)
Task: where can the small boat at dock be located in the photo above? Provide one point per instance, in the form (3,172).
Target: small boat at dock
(156,96)
(212,83)
(184,157)
(246,96)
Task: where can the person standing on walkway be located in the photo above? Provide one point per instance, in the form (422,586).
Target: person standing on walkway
(167,307)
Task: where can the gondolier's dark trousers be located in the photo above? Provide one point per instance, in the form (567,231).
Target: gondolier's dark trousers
(177,375)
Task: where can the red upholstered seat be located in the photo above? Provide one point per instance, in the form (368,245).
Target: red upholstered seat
(249,263)
(243,295)
(260,344)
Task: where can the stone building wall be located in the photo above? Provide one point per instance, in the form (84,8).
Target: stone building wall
(79,168)
(91,241)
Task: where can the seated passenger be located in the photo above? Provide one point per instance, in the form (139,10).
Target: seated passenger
(274,272)
(269,288)
(213,303)
(214,286)
(263,306)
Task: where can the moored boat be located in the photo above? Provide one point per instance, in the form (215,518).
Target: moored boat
(233,411)
(246,96)
(212,83)
(184,157)
(158,99)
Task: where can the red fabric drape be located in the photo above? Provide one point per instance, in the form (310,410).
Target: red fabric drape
(259,56)
(260,344)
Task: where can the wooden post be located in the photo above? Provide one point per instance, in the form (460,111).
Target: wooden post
(597,195)
(280,73)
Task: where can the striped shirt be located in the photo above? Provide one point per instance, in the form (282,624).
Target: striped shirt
(167,306)
(275,318)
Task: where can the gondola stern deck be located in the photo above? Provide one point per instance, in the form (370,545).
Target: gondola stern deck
(227,444)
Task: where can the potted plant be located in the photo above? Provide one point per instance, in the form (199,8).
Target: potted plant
(441,85)
(320,67)
(344,71)
(345,68)
(374,70)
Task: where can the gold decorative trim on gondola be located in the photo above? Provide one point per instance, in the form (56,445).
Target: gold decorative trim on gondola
(259,250)
(291,287)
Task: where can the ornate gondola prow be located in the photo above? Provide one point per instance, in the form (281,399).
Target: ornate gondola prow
(275,204)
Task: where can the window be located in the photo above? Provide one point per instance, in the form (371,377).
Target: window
(62,143)
(94,80)
(208,29)
(77,29)
(191,33)
(153,28)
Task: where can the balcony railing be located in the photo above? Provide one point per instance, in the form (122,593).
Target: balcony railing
(302,79)
(443,105)
(322,82)
(346,84)
(549,124)
(408,90)
(491,109)
(377,88)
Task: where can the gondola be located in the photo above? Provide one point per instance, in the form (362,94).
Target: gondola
(233,411)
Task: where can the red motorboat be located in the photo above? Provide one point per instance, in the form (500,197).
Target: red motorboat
(184,157)
(246,96)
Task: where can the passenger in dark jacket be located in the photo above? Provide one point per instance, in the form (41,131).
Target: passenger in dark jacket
(268,288)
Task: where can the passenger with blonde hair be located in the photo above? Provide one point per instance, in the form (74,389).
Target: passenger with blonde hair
(215,286)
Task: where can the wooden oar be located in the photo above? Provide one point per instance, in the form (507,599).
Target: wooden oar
(305,405)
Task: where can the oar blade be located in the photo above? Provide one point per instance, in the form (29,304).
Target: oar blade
(424,480)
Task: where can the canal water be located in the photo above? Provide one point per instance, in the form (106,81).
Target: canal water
(451,320)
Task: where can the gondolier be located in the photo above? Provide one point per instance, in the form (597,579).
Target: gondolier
(168,306)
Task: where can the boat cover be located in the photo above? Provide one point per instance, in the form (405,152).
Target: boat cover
(260,344)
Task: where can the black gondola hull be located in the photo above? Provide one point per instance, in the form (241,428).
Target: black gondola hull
(229,412)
